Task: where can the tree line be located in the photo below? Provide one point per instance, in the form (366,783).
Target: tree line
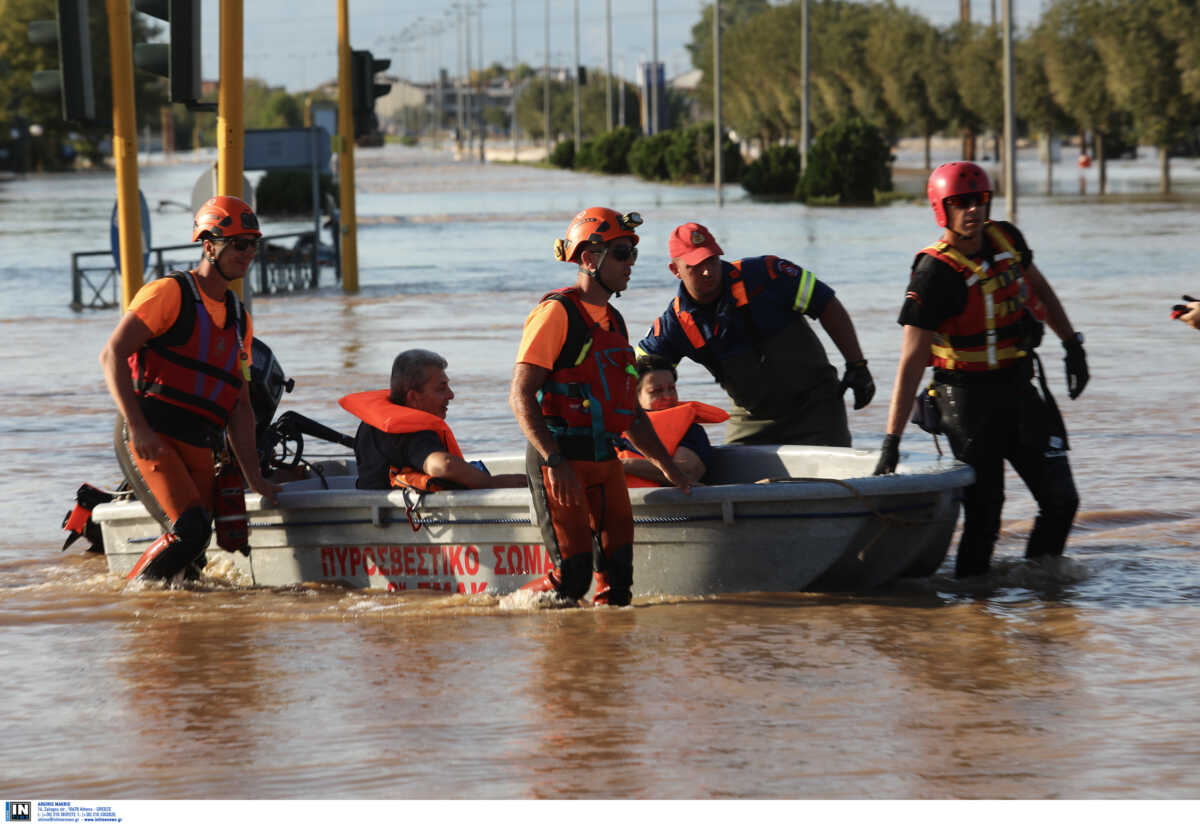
(1122,71)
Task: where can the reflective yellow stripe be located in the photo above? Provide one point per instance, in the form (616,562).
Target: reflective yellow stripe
(583,352)
(804,290)
(951,356)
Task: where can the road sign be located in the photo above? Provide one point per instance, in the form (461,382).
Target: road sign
(206,187)
(116,233)
(286,149)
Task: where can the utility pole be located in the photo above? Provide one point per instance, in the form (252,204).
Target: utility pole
(460,123)
(608,88)
(129,220)
(654,67)
(717,100)
(348,220)
(805,138)
(575,84)
(621,94)
(546,84)
(482,89)
(964,16)
(1010,124)
(513,116)
(468,116)
(231,130)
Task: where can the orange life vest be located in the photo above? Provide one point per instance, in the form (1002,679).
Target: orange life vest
(671,425)
(591,394)
(988,333)
(374,409)
(195,365)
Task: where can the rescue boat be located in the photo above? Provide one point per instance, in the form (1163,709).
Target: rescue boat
(773,518)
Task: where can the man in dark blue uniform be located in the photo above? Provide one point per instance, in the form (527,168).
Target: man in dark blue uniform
(745,322)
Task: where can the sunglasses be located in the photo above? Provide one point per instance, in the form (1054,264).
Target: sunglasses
(968,200)
(241,244)
(623,253)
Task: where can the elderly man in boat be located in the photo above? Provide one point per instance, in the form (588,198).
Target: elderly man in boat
(573,395)
(678,425)
(746,322)
(404,440)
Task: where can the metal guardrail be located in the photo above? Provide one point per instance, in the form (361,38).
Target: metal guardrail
(277,268)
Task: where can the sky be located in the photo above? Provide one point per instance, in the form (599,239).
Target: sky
(293,43)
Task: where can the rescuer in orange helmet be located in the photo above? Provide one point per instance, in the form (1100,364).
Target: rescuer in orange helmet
(574,393)
(178,368)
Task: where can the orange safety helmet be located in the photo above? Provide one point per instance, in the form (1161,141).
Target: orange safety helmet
(597,224)
(959,177)
(222,216)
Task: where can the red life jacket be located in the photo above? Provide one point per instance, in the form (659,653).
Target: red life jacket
(590,395)
(374,409)
(195,365)
(671,425)
(987,334)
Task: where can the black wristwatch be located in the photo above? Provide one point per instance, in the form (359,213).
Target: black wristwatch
(554,459)
(1074,340)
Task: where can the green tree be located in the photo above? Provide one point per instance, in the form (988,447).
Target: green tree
(904,50)
(1141,63)
(732,13)
(21,59)
(1075,70)
(977,62)
(592,96)
(848,161)
(1033,99)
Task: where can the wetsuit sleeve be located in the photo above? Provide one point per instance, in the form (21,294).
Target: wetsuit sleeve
(696,439)
(659,339)
(795,284)
(157,305)
(935,294)
(544,334)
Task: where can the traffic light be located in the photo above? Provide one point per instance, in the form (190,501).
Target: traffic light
(178,60)
(73,78)
(364,90)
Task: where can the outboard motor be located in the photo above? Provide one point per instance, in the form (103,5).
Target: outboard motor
(280,441)
(267,385)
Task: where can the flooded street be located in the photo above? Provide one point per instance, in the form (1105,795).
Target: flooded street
(1074,682)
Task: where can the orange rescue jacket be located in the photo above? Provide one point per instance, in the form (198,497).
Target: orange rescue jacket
(374,409)
(671,425)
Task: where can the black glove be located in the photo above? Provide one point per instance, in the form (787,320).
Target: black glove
(1077,368)
(889,455)
(858,377)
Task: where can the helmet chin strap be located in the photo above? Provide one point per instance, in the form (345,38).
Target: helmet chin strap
(595,274)
(214,262)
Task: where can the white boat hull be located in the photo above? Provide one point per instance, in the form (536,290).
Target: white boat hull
(823,522)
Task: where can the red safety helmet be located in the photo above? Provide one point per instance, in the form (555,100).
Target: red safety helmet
(595,225)
(957,178)
(222,216)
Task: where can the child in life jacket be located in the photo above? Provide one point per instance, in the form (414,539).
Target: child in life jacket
(678,426)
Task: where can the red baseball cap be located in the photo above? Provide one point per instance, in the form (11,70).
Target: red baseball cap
(692,243)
